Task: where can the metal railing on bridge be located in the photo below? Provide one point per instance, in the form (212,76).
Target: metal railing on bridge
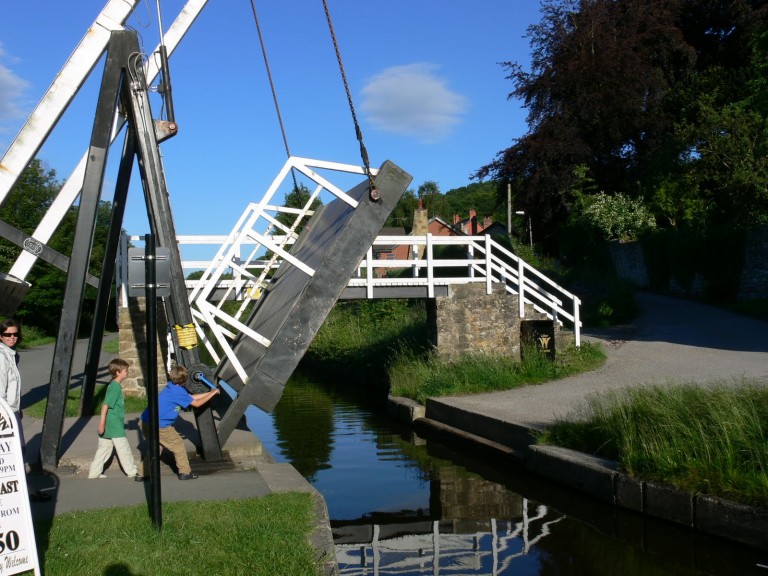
(430,266)
(261,240)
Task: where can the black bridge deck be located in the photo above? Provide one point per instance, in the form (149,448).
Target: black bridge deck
(294,304)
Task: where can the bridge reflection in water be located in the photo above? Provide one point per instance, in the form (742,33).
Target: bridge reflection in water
(400,505)
(432,547)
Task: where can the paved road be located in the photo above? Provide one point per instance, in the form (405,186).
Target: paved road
(673,340)
(35,368)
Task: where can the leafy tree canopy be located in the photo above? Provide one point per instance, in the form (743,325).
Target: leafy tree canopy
(663,100)
(24,208)
(300,198)
(480,196)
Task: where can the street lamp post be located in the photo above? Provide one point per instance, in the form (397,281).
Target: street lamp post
(530,229)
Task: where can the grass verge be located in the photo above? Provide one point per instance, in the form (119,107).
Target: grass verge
(260,536)
(755,308)
(417,377)
(132,404)
(703,439)
(33,336)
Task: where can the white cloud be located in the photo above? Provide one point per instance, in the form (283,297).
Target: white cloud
(412,100)
(12,89)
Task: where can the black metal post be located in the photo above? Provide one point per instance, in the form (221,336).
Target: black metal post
(61,370)
(150,274)
(136,104)
(92,359)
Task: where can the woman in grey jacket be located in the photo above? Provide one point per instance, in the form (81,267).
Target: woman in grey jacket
(10,379)
(10,382)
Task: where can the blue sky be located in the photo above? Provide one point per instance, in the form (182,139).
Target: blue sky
(424,75)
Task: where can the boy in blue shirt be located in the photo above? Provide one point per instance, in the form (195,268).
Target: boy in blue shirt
(112,426)
(170,401)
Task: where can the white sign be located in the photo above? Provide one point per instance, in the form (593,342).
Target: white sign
(18,550)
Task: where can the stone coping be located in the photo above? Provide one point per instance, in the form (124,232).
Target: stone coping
(602,479)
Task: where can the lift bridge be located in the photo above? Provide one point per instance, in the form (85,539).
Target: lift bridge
(313,254)
(240,274)
(295,299)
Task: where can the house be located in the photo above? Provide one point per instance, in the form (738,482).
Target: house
(435,226)
(470,225)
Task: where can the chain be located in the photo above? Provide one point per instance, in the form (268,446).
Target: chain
(274,92)
(372,191)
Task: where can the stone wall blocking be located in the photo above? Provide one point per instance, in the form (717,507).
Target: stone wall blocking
(133,344)
(470,321)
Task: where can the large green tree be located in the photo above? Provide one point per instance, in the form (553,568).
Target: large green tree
(480,196)
(297,198)
(652,98)
(24,208)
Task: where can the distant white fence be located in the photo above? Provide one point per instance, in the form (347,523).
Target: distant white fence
(485,261)
(261,240)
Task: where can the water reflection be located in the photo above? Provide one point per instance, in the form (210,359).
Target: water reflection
(305,442)
(402,505)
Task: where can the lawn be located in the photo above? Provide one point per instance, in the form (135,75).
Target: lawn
(260,536)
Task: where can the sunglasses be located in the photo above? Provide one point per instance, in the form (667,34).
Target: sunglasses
(9,334)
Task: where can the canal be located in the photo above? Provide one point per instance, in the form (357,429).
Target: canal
(405,505)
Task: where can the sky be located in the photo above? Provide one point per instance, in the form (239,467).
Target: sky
(424,75)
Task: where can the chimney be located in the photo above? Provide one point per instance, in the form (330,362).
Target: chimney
(420,224)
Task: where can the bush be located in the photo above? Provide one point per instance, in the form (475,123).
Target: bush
(618,217)
(613,305)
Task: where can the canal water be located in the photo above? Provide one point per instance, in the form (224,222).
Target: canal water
(403,505)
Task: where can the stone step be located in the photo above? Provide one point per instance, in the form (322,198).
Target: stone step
(510,434)
(444,432)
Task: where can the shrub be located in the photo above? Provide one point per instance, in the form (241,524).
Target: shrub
(618,217)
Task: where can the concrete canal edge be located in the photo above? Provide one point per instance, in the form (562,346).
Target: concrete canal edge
(598,477)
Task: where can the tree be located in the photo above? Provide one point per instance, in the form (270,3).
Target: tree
(618,217)
(24,208)
(484,197)
(612,86)
(481,196)
(299,197)
(402,214)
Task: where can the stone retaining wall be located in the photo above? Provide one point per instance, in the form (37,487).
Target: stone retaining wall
(601,479)
(754,278)
(470,321)
(629,263)
(133,345)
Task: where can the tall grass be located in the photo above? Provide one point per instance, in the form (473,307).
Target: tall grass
(384,344)
(711,439)
(419,376)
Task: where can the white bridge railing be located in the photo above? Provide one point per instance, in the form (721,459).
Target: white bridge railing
(484,261)
(499,550)
(261,240)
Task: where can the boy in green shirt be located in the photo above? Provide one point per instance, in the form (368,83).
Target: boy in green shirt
(112,426)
